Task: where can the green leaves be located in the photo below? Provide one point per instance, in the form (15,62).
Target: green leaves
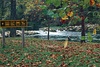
(90,37)
(48,2)
(86,2)
(61,12)
(50,12)
(55,15)
(98,1)
(54,2)
(86,19)
(43,6)
(57,3)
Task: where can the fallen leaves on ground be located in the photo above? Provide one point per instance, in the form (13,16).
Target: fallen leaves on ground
(44,53)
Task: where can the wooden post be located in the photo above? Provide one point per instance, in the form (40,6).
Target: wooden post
(23,38)
(3,30)
(48,29)
(3,37)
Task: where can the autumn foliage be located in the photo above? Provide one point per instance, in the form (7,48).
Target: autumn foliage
(98,5)
(67,16)
(70,14)
(92,2)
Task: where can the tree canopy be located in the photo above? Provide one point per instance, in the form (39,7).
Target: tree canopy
(65,11)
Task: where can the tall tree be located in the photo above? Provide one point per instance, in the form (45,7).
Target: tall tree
(2,9)
(13,17)
(74,11)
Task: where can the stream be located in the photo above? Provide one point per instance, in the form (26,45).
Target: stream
(63,35)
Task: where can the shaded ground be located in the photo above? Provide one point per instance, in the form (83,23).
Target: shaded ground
(44,53)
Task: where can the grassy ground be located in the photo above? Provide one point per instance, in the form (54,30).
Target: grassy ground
(44,53)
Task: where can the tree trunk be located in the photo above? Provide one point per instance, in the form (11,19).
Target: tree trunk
(83,25)
(2,9)
(2,18)
(83,30)
(13,17)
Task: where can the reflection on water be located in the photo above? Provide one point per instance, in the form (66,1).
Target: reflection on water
(62,35)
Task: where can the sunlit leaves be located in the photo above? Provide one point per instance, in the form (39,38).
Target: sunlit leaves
(89,37)
(57,8)
(70,13)
(61,13)
(86,2)
(98,0)
(43,6)
(65,18)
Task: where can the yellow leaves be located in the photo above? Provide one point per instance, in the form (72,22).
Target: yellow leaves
(65,18)
(92,2)
(65,43)
(70,14)
(94,31)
